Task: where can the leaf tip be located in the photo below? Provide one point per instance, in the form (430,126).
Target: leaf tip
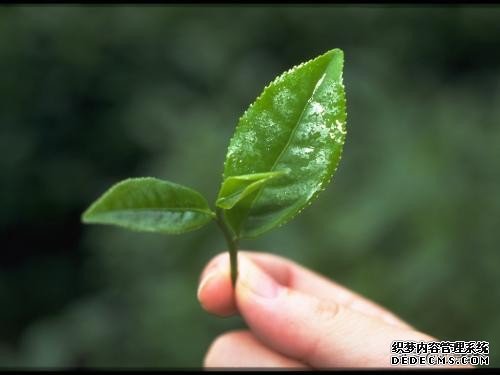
(336,51)
(222,203)
(86,216)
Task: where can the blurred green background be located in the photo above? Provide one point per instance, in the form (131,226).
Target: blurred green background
(92,95)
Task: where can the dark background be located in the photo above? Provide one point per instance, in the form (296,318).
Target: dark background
(92,95)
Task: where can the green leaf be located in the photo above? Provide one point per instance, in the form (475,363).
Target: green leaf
(235,188)
(150,205)
(298,124)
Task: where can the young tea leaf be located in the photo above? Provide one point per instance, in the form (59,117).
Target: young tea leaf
(298,124)
(235,188)
(150,205)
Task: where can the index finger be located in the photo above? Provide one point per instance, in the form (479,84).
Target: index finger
(215,292)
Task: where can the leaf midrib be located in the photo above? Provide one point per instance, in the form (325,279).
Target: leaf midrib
(145,209)
(292,133)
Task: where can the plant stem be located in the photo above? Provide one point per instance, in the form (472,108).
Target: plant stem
(232,243)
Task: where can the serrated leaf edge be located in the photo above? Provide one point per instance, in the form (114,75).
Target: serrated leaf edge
(329,178)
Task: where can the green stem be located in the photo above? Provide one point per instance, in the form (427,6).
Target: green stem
(232,243)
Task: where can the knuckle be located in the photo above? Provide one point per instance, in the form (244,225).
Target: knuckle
(327,313)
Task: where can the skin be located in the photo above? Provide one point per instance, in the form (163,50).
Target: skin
(296,318)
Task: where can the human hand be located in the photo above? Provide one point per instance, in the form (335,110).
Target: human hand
(296,318)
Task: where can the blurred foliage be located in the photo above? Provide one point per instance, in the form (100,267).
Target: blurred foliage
(92,95)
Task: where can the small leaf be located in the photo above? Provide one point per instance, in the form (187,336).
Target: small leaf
(150,205)
(235,188)
(298,123)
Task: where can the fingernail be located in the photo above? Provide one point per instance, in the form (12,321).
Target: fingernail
(213,268)
(206,279)
(257,281)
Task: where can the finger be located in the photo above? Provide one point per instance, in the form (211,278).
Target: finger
(297,277)
(216,294)
(320,333)
(242,349)
(215,291)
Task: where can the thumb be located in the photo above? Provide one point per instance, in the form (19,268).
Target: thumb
(318,332)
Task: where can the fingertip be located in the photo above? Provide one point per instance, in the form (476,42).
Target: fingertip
(213,264)
(215,292)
